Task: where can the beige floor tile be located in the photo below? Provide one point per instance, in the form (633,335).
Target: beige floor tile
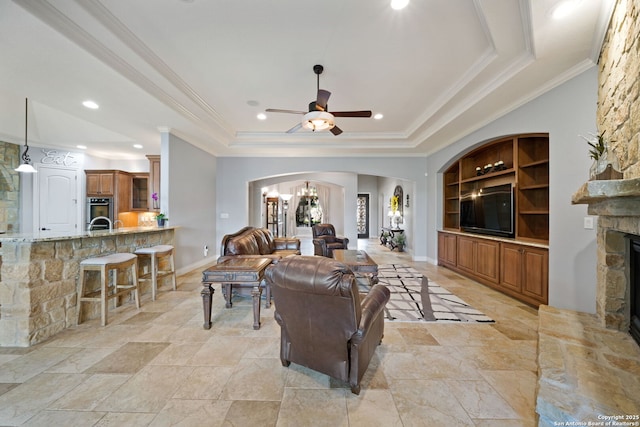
(221,351)
(128,419)
(256,379)
(90,393)
(25,401)
(252,413)
(192,413)
(23,368)
(178,354)
(147,391)
(480,400)
(64,418)
(517,388)
(372,408)
(316,408)
(204,382)
(128,359)
(81,361)
(303,377)
(428,403)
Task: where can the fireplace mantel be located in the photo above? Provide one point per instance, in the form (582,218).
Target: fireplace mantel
(615,197)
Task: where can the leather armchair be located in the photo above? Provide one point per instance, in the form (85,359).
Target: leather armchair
(323,323)
(325,240)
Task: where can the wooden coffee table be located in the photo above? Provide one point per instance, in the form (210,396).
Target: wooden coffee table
(358,261)
(242,273)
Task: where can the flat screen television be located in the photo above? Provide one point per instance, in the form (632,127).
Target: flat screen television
(489,211)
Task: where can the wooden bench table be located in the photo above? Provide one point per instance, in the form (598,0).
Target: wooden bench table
(358,261)
(243,273)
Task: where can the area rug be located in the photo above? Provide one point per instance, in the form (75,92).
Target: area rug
(414,298)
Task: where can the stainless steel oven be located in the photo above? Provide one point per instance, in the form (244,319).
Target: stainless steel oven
(97,207)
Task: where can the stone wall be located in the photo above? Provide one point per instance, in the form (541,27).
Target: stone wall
(619,86)
(39,282)
(9,187)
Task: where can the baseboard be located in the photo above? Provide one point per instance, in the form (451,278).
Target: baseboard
(193,266)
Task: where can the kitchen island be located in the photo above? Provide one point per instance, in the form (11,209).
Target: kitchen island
(39,276)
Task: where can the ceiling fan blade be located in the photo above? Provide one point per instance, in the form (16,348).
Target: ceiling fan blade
(351,113)
(336,130)
(295,128)
(276,110)
(323,98)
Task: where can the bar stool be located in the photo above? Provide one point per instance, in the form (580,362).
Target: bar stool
(105,265)
(155,254)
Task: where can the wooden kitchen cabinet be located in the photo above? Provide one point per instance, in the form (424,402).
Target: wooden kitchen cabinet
(140,196)
(100,184)
(154,181)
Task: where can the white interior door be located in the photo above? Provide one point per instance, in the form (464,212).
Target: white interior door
(58,194)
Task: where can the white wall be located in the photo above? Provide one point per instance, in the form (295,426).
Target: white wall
(235,174)
(566,112)
(188,186)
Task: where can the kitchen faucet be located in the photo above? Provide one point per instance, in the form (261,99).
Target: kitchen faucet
(115,223)
(100,217)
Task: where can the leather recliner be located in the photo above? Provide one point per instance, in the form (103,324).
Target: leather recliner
(323,323)
(325,240)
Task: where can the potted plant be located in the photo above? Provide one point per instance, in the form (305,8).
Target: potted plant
(161,218)
(605,165)
(399,240)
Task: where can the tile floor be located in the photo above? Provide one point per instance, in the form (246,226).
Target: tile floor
(159,367)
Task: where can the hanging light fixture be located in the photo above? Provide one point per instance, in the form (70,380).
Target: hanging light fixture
(318,120)
(25,166)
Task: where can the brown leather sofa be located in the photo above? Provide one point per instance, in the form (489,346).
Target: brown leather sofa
(325,240)
(323,323)
(252,242)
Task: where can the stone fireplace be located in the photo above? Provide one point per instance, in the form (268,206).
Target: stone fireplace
(617,204)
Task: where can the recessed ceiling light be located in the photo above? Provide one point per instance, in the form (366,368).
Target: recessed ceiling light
(378,116)
(399,4)
(138,146)
(262,116)
(90,104)
(564,9)
(82,147)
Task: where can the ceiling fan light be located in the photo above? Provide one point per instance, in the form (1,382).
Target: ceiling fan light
(318,120)
(399,4)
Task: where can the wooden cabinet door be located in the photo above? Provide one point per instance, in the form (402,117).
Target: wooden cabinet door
(535,274)
(466,254)
(123,200)
(106,184)
(100,184)
(510,267)
(487,260)
(447,249)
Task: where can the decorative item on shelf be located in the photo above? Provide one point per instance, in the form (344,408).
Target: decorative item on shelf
(162,219)
(156,202)
(487,168)
(605,163)
(479,171)
(499,166)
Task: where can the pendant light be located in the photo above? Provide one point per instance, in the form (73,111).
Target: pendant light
(25,166)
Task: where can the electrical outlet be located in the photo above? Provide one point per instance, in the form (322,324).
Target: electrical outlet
(588,222)
(206,250)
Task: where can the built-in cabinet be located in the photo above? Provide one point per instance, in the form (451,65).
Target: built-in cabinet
(140,197)
(516,269)
(517,266)
(110,183)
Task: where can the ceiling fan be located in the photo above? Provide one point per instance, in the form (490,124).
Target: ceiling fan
(318,117)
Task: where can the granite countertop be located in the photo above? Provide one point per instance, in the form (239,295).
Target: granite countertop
(43,236)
